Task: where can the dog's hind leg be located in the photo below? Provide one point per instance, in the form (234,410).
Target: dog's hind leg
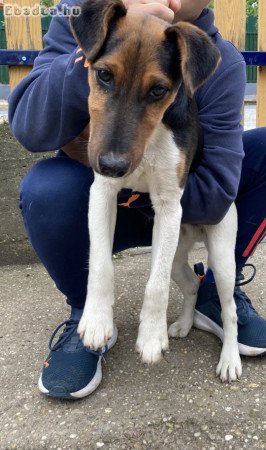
(96,324)
(221,246)
(187,281)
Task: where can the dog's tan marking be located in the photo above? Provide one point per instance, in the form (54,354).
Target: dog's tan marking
(97,108)
(182,169)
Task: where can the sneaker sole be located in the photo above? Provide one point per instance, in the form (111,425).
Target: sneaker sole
(91,386)
(203,322)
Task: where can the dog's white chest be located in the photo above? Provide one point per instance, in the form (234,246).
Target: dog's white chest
(159,162)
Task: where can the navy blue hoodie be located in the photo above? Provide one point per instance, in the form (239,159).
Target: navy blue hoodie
(49,108)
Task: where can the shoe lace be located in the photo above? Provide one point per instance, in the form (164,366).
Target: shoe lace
(240,276)
(69,331)
(243,302)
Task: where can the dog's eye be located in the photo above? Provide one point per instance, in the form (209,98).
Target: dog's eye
(158,92)
(104,76)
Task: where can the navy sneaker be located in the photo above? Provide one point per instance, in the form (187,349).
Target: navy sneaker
(251,327)
(72,371)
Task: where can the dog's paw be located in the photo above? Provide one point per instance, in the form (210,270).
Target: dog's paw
(180,328)
(95,329)
(229,367)
(150,344)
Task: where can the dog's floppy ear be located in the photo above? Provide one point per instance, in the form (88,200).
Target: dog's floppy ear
(90,27)
(199,57)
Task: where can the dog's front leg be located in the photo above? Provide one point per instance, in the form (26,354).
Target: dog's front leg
(152,336)
(96,324)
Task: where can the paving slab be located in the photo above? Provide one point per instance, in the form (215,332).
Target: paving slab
(176,404)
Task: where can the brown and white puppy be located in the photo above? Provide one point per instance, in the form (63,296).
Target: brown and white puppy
(144,134)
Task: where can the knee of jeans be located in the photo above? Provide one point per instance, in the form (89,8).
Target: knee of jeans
(56,184)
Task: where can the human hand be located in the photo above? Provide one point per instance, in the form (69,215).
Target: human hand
(190,10)
(164,9)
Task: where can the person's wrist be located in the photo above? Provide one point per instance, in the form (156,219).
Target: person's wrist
(186,17)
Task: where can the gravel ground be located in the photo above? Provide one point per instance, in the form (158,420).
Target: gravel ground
(176,404)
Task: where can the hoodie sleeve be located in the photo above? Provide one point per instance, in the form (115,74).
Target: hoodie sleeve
(49,107)
(212,188)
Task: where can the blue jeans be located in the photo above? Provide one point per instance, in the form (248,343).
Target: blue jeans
(54,202)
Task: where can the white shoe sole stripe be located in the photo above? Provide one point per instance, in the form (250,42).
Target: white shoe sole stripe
(41,386)
(93,384)
(204,323)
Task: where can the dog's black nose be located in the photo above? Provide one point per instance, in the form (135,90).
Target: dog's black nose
(113,166)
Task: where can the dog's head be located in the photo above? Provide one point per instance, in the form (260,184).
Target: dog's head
(136,66)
